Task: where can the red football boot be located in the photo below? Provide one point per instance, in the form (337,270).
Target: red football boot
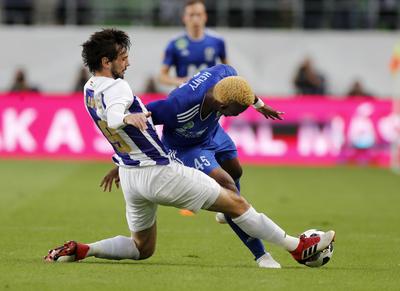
(309,246)
(69,252)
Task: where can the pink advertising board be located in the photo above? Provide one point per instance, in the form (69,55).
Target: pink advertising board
(315,131)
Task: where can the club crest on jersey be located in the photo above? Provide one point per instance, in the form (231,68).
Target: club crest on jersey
(181,43)
(209,54)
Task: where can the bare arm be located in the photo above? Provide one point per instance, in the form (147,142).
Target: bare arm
(166,79)
(267,111)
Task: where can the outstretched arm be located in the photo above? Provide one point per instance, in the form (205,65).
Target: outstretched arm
(267,111)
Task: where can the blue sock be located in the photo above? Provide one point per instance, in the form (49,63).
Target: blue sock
(253,244)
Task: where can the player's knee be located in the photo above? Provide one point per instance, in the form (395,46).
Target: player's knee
(230,204)
(236,173)
(146,252)
(240,206)
(243,205)
(146,247)
(228,184)
(224,179)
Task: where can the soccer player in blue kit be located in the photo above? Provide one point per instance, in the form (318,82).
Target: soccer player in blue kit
(192,132)
(196,49)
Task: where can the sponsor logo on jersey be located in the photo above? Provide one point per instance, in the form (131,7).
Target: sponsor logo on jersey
(189,134)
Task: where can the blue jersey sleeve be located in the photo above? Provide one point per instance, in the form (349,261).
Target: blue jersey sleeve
(222,50)
(222,71)
(163,111)
(230,71)
(169,53)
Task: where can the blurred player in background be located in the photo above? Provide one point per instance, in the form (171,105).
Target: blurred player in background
(192,132)
(196,49)
(149,177)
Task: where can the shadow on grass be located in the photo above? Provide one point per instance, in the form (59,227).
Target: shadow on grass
(166,264)
(130,264)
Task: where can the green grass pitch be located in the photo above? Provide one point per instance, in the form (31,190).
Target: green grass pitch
(44,203)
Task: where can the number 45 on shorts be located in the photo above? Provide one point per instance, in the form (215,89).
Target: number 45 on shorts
(201,162)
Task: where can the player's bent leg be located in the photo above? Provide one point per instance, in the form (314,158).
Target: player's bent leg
(223,178)
(260,226)
(141,245)
(249,220)
(145,241)
(138,247)
(226,181)
(232,167)
(115,248)
(255,245)
(140,209)
(229,203)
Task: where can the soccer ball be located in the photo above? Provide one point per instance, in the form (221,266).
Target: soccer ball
(321,258)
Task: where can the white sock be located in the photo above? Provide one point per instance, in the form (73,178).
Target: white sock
(260,226)
(115,248)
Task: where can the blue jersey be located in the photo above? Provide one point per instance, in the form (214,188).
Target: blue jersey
(180,112)
(189,56)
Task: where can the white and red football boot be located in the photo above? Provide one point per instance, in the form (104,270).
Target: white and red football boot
(69,252)
(309,246)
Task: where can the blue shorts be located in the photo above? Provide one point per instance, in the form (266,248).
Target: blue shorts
(208,156)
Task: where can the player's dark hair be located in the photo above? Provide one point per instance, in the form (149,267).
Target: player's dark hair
(192,2)
(105,43)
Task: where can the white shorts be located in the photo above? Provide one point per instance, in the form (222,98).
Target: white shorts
(172,185)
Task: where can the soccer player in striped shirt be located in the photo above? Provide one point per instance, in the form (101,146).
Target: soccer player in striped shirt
(148,176)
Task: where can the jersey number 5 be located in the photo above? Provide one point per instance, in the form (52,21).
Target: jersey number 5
(201,162)
(113,137)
